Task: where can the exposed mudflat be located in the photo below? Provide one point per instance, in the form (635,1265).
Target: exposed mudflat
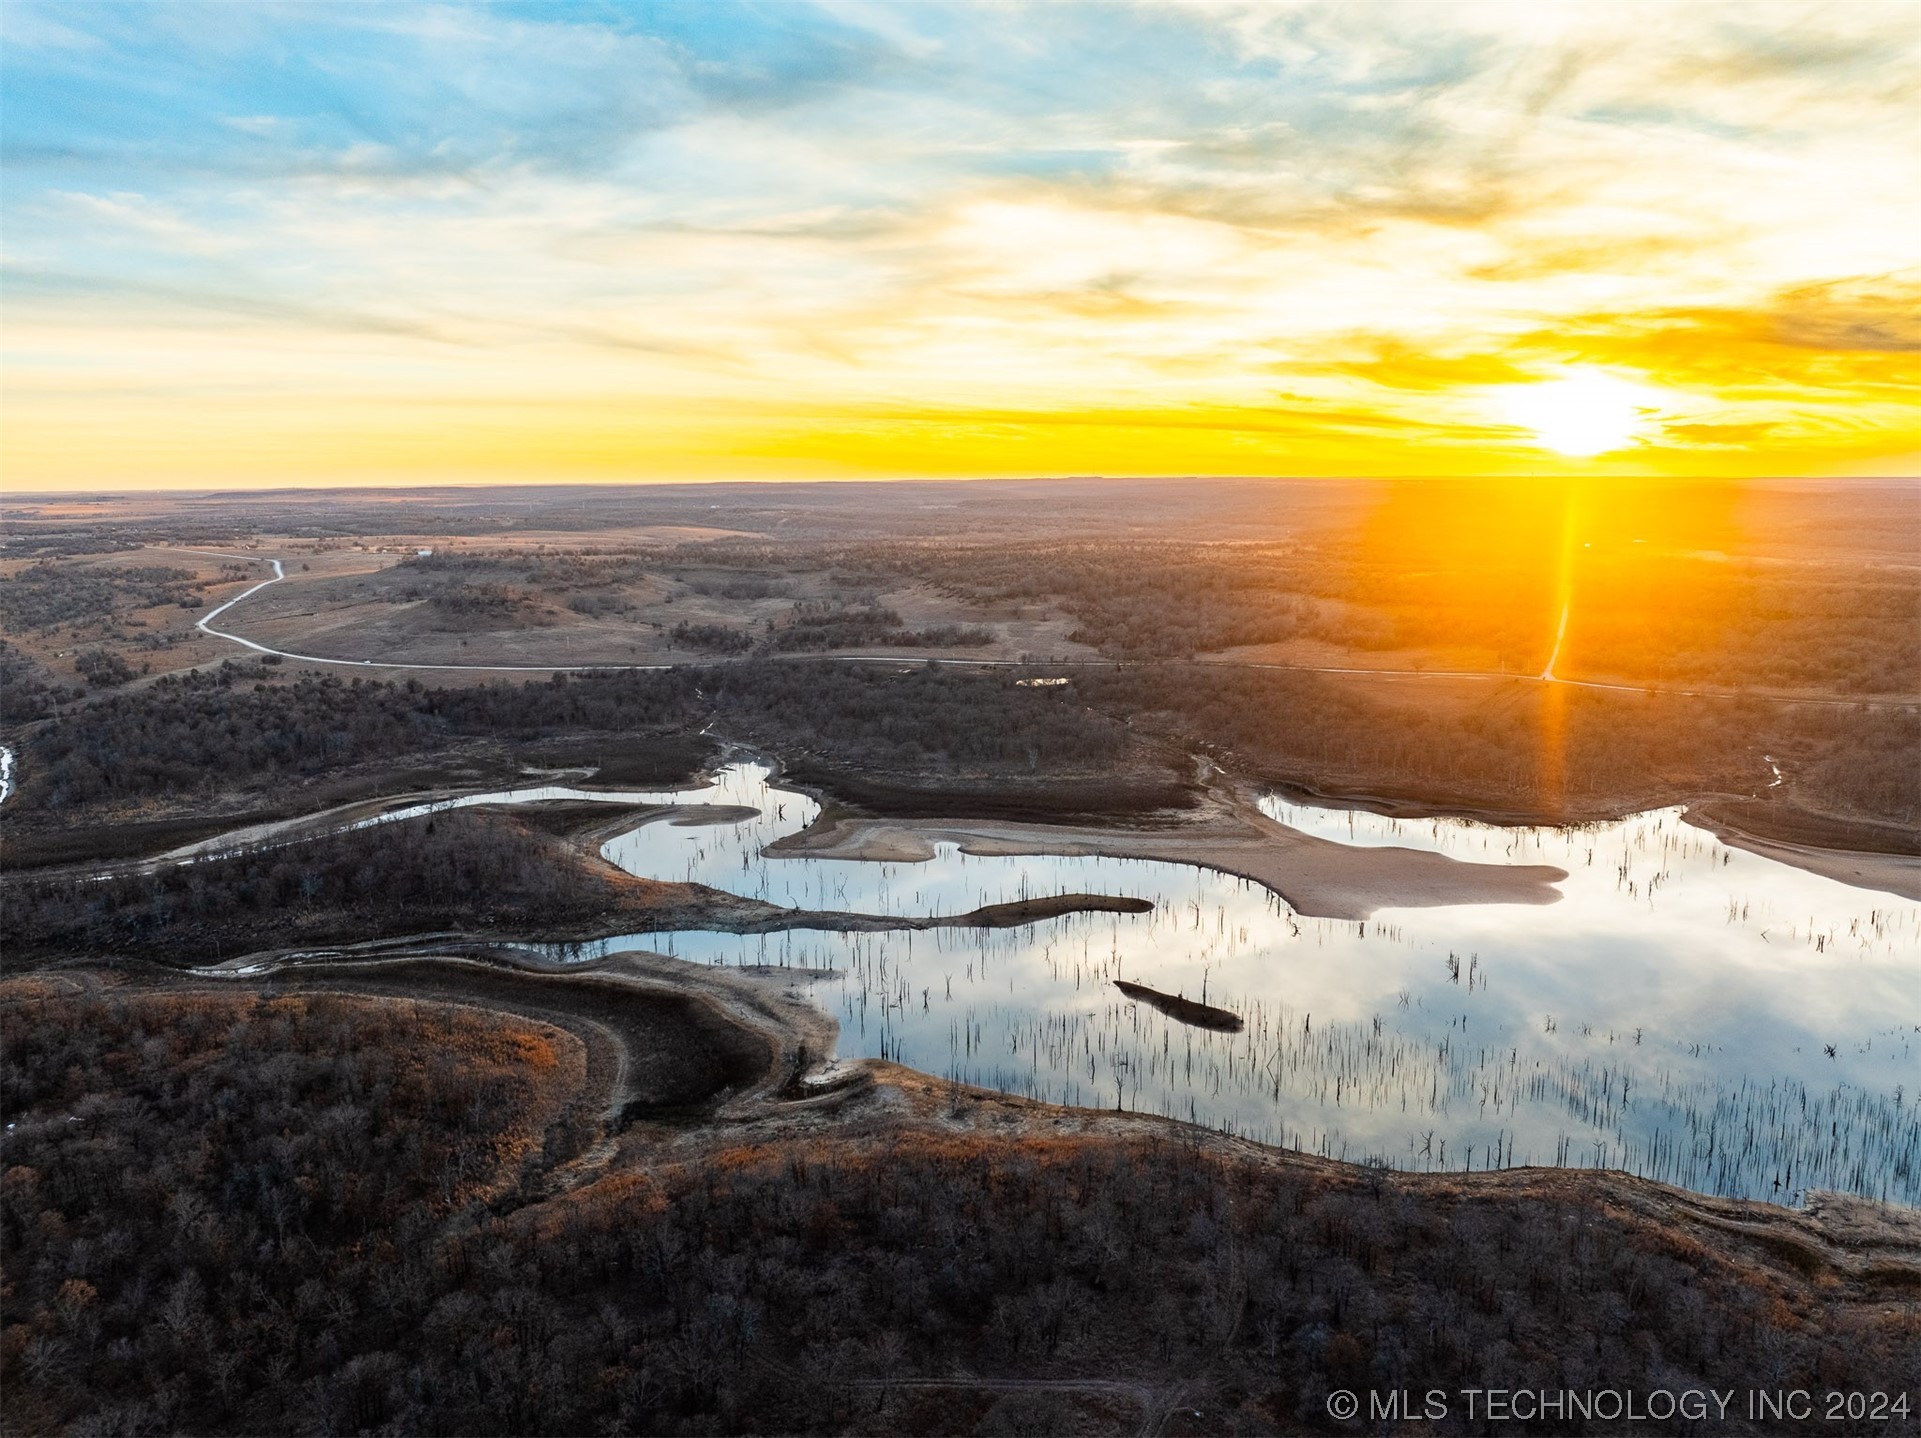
(1315,876)
(1898,874)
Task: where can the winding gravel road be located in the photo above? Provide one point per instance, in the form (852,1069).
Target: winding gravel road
(1547,676)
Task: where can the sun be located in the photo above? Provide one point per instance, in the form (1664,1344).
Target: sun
(1585,413)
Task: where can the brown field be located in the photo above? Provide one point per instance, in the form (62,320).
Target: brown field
(149,638)
(1379,643)
(378,612)
(1790,590)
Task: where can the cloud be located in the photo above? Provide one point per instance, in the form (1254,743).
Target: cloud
(32,287)
(1400,366)
(1792,344)
(715,215)
(1875,313)
(1735,435)
(33,27)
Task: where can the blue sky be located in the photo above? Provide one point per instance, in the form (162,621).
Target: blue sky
(366,242)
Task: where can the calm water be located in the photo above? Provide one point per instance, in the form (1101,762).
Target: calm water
(1688,1011)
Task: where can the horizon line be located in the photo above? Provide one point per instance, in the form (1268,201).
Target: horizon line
(106,494)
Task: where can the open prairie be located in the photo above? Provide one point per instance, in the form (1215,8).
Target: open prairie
(1520,648)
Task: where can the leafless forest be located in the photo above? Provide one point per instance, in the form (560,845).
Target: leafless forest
(336,1205)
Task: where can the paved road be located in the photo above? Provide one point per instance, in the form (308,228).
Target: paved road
(1546,676)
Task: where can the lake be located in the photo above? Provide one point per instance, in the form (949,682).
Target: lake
(1688,1011)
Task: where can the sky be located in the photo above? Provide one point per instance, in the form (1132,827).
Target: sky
(356,243)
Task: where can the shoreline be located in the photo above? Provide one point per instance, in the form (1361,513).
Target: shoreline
(1889,871)
(1895,871)
(799,1094)
(1856,851)
(1896,874)
(1317,878)
(1224,831)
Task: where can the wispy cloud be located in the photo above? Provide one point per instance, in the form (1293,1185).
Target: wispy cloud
(870,237)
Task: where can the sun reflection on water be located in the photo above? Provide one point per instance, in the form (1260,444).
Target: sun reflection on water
(1689,1011)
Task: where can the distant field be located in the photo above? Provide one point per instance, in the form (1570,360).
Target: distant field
(637,606)
(1794,588)
(1389,639)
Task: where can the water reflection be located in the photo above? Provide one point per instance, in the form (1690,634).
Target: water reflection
(1690,1012)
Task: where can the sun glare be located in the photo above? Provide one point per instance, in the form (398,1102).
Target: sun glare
(1586,413)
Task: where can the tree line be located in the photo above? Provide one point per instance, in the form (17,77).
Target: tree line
(1601,754)
(911,725)
(184,734)
(445,871)
(47,594)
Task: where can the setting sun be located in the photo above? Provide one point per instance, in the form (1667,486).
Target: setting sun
(762,716)
(1585,414)
(557,242)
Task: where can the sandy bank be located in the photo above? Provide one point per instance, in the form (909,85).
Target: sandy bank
(1316,877)
(1898,874)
